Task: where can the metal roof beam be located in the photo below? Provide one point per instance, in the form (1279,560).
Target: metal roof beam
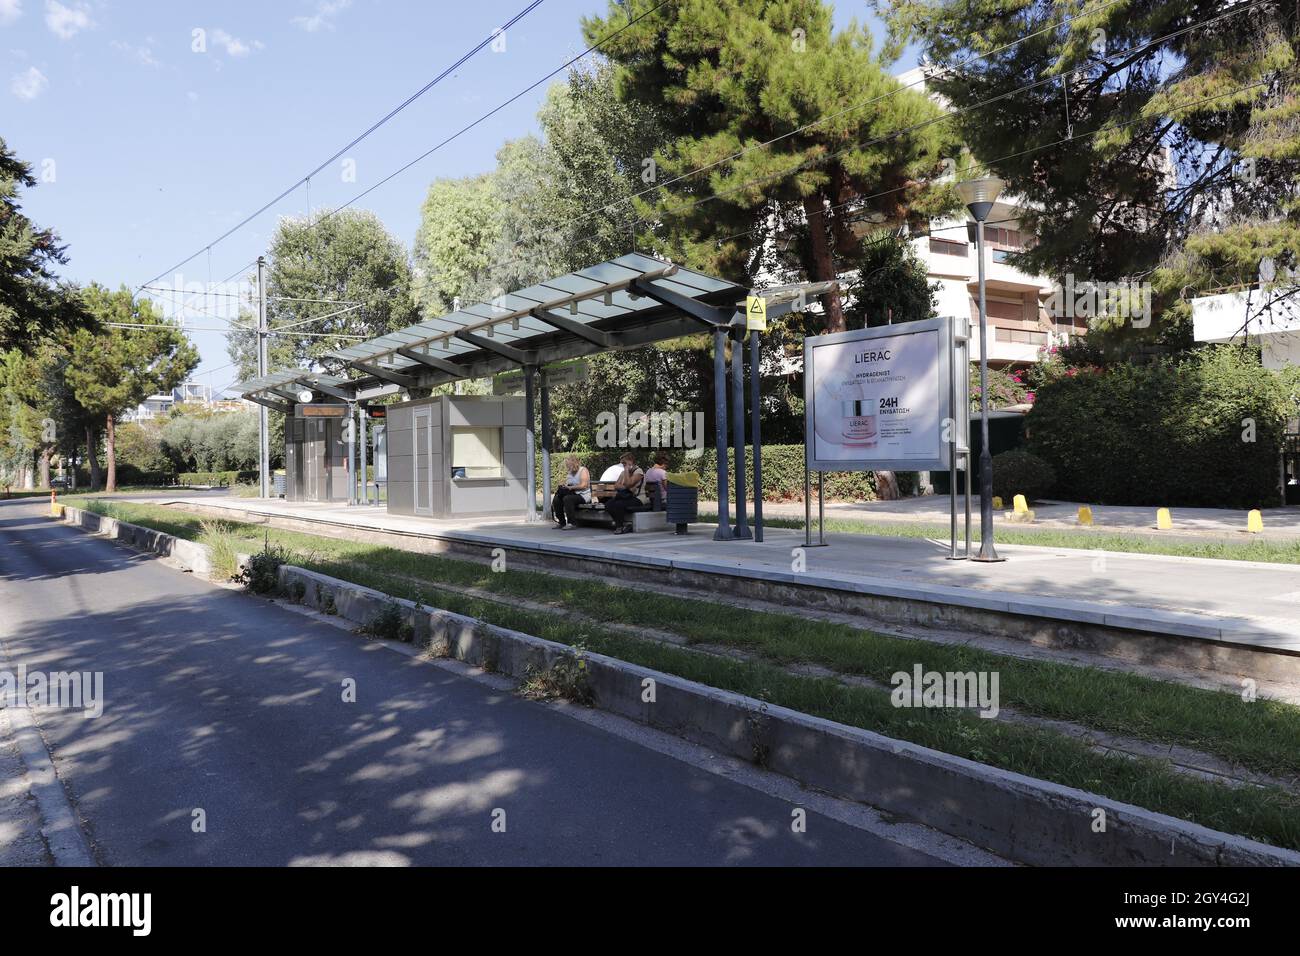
(397,378)
(274,406)
(330,390)
(580,329)
(442,365)
(518,356)
(710,315)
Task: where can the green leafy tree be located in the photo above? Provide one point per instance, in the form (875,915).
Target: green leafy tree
(339,260)
(115,369)
(16,448)
(211,441)
(460,224)
(1171,161)
(731,76)
(33,303)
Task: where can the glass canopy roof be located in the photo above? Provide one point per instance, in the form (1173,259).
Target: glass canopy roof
(598,297)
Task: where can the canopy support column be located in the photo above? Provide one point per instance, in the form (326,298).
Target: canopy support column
(365,483)
(546,444)
(755,428)
(724,532)
(350,443)
(530,465)
(738,429)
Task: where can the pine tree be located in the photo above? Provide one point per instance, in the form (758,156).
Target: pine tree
(733,75)
(114,369)
(33,304)
(1172,160)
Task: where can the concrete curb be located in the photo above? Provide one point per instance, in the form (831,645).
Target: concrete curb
(187,555)
(1017,817)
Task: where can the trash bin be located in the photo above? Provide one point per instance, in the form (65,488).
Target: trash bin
(683,504)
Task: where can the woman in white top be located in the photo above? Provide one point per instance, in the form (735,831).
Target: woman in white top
(575,490)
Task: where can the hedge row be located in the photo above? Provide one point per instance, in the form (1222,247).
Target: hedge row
(217,479)
(782,472)
(128,474)
(1205,430)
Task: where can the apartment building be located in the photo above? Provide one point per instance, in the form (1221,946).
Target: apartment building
(158,406)
(1019,321)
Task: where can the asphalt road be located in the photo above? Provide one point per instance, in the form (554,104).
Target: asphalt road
(220,702)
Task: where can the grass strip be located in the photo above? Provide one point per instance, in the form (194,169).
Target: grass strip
(1269,550)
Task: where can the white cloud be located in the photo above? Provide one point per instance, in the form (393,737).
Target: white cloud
(233,45)
(67,22)
(29,84)
(10,10)
(323,18)
(142,54)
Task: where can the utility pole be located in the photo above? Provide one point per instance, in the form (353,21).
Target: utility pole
(263,426)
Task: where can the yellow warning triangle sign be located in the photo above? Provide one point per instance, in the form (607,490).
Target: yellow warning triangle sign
(755,313)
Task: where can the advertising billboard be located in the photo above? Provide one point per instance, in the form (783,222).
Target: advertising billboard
(879,399)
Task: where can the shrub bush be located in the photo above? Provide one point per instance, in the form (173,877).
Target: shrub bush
(128,474)
(218,479)
(1201,431)
(1018,472)
(261,575)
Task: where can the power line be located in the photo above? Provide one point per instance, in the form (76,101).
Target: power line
(822,119)
(312,224)
(1033,149)
(959,112)
(488,115)
(388,116)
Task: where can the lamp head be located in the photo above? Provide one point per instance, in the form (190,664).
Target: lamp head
(306,396)
(979,195)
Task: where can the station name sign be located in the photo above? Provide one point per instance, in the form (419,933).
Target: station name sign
(320,411)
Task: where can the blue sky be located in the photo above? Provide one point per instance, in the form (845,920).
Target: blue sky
(149,149)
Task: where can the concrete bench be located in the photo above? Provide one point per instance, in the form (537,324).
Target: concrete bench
(649,521)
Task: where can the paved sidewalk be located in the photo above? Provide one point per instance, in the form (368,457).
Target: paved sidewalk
(1235,601)
(20,823)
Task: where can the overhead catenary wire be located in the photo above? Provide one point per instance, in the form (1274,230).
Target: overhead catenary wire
(966,109)
(429,152)
(947,116)
(447,71)
(1016,155)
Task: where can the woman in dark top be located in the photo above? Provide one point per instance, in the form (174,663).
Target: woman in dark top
(625,499)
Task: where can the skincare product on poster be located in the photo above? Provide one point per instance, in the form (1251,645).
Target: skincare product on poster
(859,427)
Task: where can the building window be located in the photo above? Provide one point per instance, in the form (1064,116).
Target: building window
(947,247)
(476,453)
(1001,255)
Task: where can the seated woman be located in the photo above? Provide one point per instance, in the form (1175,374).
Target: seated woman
(658,475)
(575,490)
(625,499)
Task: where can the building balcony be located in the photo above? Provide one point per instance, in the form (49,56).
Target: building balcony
(1269,318)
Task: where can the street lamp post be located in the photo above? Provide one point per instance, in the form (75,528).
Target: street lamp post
(979,196)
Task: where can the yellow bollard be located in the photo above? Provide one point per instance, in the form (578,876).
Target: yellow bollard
(997,503)
(1085,515)
(1255,522)
(1020,505)
(1163,521)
